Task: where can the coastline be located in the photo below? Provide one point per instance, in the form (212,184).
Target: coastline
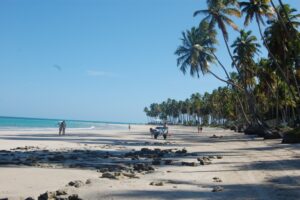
(247,167)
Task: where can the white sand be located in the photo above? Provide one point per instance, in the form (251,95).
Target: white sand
(251,168)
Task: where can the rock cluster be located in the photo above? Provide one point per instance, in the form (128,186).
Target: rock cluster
(204,160)
(217,189)
(58,195)
(159,183)
(76,183)
(215,136)
(217,179)
(26,148)
(192,164)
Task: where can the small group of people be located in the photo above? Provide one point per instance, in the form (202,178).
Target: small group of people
(62,127)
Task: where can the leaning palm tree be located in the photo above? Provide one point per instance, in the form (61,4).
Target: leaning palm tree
(218,13)
(196,53)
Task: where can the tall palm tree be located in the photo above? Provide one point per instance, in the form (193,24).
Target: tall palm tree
(246,48)
(196,53)
(218,13)
(281,37)
(258,9)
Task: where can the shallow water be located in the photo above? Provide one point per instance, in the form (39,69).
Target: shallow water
(36,123)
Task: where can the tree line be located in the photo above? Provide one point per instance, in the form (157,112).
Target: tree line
(210,108)
(257,88)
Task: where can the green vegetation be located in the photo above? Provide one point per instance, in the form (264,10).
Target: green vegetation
(258,89)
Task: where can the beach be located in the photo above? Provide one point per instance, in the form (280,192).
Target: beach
(123,164)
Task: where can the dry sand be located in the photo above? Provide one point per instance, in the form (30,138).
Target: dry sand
(250,168)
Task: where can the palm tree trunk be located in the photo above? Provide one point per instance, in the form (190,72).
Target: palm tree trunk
(241,105)
(234,85)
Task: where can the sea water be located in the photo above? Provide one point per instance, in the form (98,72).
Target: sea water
(32,123)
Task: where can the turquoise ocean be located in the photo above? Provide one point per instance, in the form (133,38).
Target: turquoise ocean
(32,123)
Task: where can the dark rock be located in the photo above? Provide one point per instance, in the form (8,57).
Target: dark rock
(103,170)
(204,160)
(160,183)
(143,167)
(108,175)
(183,151)
(74,197)
(76,183)
(47,196)
(217,179)
(192,164)
(88,181)
(217,189)
(28,198)
(61,192)
(145,150)
(215,136)
(168,162)
(219,157)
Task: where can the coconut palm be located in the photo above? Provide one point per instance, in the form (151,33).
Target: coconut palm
(196,52)
(245,50)
(258,9)
(218,13)
(278,37)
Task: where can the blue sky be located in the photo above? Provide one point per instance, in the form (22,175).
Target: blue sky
(96,59)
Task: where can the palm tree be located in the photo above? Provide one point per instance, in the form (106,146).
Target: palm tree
(278,37)
(258,9)
(196,105)
(245,49)
(196,52)
(218,13)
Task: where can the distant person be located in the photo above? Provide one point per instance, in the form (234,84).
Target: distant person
(60,128)
(199,129)
(64,125)
(129,127)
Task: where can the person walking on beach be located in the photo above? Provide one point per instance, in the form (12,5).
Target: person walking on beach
(59,128)
(199,129)
(64,125)
(129,127)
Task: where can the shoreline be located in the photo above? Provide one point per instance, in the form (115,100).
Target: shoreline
(122,164)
